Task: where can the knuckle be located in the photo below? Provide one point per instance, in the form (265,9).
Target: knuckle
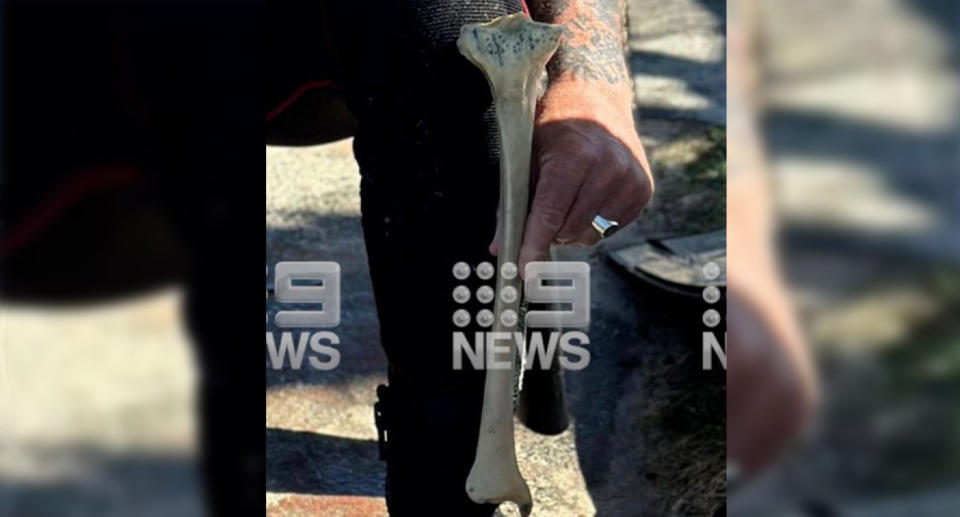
(550,161)
(555,167)
(613,169)
(618,159)
(591,156)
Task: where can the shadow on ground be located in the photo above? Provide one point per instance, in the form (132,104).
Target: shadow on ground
(337,238)
(348,466)
(650,422)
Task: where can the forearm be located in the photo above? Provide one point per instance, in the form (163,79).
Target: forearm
(591,56)
(594,43)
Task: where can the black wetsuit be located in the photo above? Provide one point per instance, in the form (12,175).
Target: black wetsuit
(426,142)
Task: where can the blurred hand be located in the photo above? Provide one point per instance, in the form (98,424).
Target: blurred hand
(771,386)
(587,161)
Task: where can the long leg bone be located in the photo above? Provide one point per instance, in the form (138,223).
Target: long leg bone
(512,51)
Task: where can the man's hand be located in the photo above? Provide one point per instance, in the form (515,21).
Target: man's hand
(588,159)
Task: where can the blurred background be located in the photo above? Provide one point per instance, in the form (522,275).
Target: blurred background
(858,102)
(97,410)
(130,159)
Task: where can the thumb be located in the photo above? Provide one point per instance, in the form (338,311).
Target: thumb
(495,243)
(494,248)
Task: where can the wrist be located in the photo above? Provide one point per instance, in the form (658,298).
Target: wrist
(605,105)
(575,98)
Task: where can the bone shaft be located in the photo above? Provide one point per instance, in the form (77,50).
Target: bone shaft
(516,127)
(516,132)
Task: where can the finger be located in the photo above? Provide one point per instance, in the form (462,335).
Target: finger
(550,207)
(495,243)
(591,197)
(628,203)
(621,208)
(606,174)
(589,237)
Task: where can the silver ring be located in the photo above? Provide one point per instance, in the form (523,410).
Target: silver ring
(605,227)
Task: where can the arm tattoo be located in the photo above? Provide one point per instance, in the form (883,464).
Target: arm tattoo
(593,47)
